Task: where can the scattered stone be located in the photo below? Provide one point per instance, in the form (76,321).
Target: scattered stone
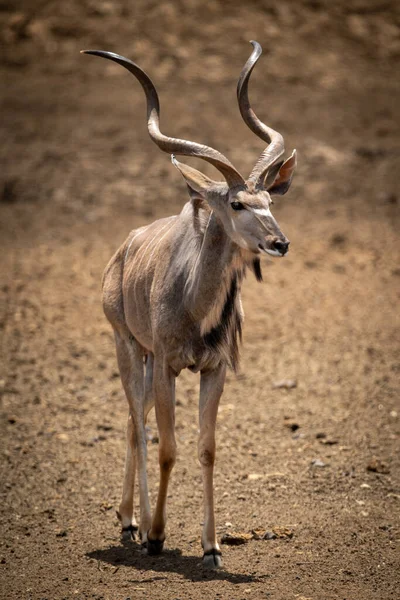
(328,442)
(278,532)
(283,532)
(236,539)
(62,533)
(317,462)
(104,427)
(255,476)
(378,466)
(291,424)
(321,435)
(12,420)
(258,534)
(286,384)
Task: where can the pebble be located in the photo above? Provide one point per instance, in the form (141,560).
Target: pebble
(291,424)
(317,462)
(378,466)
(255,476)
(286,384)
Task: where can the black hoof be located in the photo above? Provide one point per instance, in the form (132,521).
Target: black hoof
(154,547)
(212,559)
(128,533)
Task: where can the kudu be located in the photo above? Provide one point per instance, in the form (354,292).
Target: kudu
(172,296)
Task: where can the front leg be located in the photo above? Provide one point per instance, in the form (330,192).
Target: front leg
(164,395)
(211,388)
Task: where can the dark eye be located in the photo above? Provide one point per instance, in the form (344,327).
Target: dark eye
(237,206)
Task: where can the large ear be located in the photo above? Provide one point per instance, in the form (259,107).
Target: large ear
(282,180)
(198,183)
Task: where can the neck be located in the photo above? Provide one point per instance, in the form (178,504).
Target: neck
(210,286)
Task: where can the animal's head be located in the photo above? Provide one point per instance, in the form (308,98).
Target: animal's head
(243,206)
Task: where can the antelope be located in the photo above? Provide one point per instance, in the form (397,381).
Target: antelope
(172,295)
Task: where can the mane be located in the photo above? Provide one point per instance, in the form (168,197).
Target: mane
(225,336)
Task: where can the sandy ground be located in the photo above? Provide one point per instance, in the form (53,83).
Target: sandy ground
(78,172)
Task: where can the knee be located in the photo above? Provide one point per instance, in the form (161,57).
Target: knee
(167,459)
(206,456)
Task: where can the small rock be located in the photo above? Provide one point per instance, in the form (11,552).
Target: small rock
(255,476)
(283,532)
(104,427)
(286,384)
(278,532)
(291,424)
(236,539)
(258,534)
(321,435)
(317,462)
(365,486)
(62,533)
(328,442)
(378,466)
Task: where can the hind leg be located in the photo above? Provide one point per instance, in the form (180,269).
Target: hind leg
(125,511)
(130,362)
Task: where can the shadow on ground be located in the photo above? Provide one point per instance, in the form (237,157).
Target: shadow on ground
(190,567)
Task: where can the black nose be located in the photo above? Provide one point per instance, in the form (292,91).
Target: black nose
(281,247)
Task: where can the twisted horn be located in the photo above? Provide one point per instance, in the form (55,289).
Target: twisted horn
(169,144)
(275,148)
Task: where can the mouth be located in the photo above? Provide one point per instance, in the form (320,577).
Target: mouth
(270,251)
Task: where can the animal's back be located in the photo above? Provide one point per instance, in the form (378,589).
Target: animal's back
(128,278)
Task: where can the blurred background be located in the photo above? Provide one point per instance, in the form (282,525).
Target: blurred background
(78,172)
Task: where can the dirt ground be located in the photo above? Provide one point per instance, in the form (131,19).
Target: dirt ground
(78,172)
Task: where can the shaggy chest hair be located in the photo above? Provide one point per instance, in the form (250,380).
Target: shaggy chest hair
(221,329)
